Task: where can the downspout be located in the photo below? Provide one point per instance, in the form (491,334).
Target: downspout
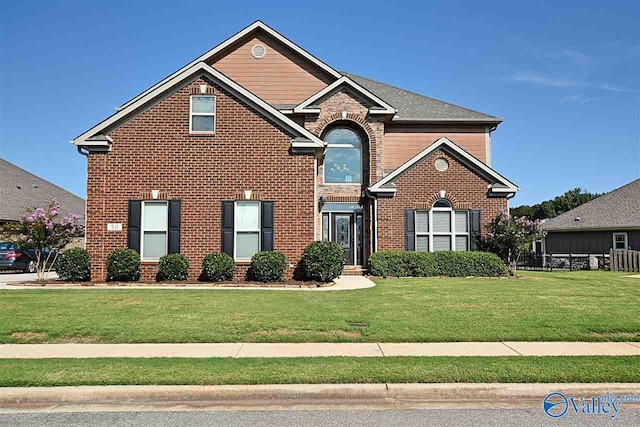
(315,198)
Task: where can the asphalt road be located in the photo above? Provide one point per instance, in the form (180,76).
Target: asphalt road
(369,418)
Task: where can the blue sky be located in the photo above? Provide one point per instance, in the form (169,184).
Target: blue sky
(565,76)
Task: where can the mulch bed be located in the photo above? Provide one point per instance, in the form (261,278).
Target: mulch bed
(234,284)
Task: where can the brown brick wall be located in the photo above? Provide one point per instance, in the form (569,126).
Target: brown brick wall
(419,187)
(154,151)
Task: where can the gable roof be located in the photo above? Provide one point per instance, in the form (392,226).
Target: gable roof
(415,107)
(228,42)
(308,106)
(500,184)
(618,209)
(92,139)
(21,189)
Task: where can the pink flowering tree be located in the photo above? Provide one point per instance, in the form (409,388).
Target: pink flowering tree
(43,233)
(509,236)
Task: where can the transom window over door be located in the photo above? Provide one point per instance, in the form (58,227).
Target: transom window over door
(202,118)
(442,228)
(343,157)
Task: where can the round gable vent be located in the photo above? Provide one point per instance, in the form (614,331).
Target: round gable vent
(258,51)
(442,164)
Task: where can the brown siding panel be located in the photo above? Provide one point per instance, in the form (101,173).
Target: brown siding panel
(280,77)
(401,143)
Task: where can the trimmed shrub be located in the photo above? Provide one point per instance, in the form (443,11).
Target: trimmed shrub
(388,263)
(464,264)
(74,265)
(322,261)
(268,266)
(218,267)
(419,264)
(446,263)
(173,267)
(123,265)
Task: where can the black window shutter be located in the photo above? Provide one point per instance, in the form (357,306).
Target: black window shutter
(227,228)
(474,219)
(410,229)
(174,226)
(267,226)
(133,225)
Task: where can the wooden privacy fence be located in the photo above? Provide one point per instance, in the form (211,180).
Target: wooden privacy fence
(625,260)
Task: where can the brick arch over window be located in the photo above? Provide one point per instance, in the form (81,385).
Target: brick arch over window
(436,196)
(360,125)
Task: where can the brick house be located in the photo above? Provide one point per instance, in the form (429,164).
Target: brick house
(258,145)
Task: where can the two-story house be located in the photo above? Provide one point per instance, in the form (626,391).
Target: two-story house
(259,145)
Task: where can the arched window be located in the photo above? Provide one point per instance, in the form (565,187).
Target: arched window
(343,157)
(442,228)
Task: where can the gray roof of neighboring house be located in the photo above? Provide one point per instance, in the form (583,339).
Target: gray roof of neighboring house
(415,107)
(20,189)
(618,209)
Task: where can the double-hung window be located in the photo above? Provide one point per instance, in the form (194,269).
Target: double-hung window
(620,241)
(203,114)
(442,228)
(247,229)
(154,230)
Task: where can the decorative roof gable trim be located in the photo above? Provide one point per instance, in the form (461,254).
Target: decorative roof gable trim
(308,105)
(503,184)
(256,25)
(86,139)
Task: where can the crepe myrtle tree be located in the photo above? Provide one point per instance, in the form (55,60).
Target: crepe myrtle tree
(43,233)
(509,236)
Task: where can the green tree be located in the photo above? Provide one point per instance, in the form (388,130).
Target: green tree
(554,207)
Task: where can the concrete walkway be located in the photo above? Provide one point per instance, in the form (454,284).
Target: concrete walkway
(342,283)
(267,350)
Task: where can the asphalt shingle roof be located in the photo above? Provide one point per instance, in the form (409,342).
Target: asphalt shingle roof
(413,106)
(20,189)
(618,209)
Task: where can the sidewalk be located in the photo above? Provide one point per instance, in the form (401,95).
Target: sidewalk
(242,350)
(342,283)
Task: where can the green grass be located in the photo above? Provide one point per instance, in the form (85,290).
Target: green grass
(577,306)
(61,372)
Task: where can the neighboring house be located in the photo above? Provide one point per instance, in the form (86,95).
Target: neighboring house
(611,221)
(20,190)
(259,145)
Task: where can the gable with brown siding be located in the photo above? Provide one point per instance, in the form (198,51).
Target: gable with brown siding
(281,77)
(402,142)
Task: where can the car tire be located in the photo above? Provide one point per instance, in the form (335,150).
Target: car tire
(31,267)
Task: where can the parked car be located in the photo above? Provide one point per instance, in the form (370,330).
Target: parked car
(12,258)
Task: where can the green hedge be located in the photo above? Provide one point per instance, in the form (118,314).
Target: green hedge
(173,267)
(446,263)
(217,267)
(74,265)
(123,265)
(322,261)
(268,266)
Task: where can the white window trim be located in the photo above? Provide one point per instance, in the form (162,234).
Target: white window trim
(192,113)
(452,234)
(324,163)
(143,230)
(237,230)
(626,241)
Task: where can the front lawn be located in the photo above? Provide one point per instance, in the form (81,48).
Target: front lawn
(575,306)
(319,370)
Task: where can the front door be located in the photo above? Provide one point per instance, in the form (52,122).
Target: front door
(342,227)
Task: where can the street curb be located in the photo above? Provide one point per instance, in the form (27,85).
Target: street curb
(461,395)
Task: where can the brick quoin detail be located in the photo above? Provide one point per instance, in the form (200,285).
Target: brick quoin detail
(419,187)
(153,150)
